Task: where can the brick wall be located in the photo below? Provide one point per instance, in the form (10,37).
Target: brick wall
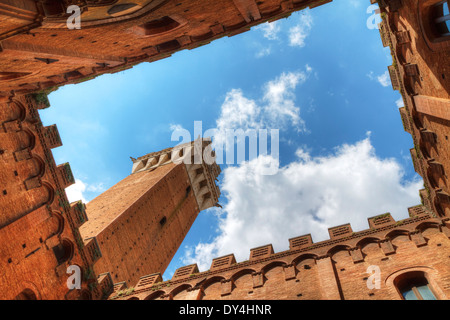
(141,221)
(336,269)
(38,52)
(421,71)
(38,229)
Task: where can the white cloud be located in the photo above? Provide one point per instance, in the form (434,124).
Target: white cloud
(78,190)
(299,32)
(275,110)
(279,98)
(75,191)
(263,52)
(270,30)
(309,195)
(98,188)
(296,34)
(355,3)
(400,103)
(238,111)
(384,79)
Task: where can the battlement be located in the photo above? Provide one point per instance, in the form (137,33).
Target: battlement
(37,215)
(198,158)
(425,112)
(383,229)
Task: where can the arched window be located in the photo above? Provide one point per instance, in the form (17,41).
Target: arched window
(414,286)
(63,251)
(441,18)
(26,294)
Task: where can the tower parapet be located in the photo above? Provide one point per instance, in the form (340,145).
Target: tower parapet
(200,165)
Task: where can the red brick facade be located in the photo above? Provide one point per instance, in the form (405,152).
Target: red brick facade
(38,51)
(140,222)
(339,268)
(136,226)
(38,226)
(421,72)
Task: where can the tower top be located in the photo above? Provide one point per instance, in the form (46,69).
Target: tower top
(199,159)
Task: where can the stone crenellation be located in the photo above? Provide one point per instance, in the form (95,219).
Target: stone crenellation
(383,229)
(34,205)
(129,234)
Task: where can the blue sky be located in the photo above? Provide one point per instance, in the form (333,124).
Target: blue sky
(319,76)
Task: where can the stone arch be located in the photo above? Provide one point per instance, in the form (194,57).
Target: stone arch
(26,139)
(432,179)
(417,118)
(158,26)
(396,233)
(16,112)
(39,166)
(76,294)
(41,196)
(210,281)
(427,225)
(64,251)
(303,257)
(340,247)
(243,281)
(369,246)
(441,208)
(133,298)
(26,294)
(397,237)
(272,265)
(155,295)
(30,291)
(366,241)
(426,17)
(401,53)
(85,295)
(212,288)
(408,85)
(430,274)
(241,273)
(55,224)
(32,138)
(7,76)
(51,193)
(179,290)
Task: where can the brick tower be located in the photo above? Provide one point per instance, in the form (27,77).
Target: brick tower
(141,221)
